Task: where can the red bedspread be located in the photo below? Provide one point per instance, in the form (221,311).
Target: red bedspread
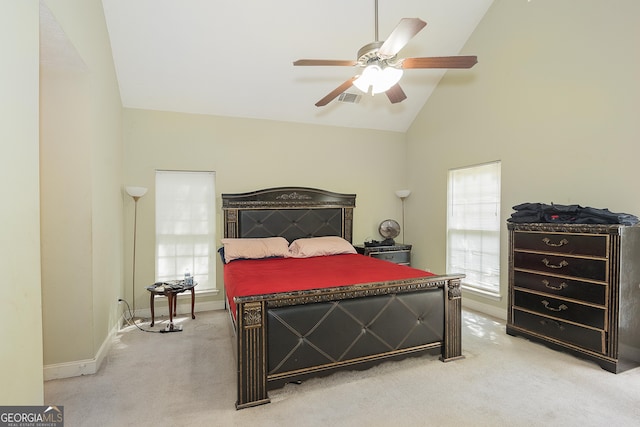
(274,275)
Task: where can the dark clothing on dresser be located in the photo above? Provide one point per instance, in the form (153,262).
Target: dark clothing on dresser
(568,214)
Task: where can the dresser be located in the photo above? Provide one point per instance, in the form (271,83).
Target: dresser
(398,253)
(576,288)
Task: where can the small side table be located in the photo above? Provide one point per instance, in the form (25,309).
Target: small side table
(171,289)
(398,253)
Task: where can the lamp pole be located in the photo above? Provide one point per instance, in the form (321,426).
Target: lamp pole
(135,234)
(135,193)
(403,194)
(402,198)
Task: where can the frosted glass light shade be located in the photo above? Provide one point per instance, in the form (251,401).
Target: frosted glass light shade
(378,79)
(136,191)
(403,194)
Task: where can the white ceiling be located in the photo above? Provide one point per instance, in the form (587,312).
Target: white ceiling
(234,58)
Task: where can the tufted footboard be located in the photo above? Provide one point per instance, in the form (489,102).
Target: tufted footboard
(294,336)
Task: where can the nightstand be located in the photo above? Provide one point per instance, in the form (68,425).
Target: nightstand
(398,253)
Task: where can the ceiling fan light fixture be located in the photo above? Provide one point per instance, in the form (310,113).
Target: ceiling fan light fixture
(377,79)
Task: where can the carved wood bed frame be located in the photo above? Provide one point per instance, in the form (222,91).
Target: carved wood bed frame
(425,311)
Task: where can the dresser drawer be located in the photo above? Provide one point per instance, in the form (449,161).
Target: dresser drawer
(562,309)
(589,339)
(594,269)
(562,287)
(577,244)
(399,257)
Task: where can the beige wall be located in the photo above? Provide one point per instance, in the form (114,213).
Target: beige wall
(21,334)
(66,233)
(251,154)
(81,166)
(555,96)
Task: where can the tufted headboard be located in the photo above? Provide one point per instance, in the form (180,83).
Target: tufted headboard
(289,212)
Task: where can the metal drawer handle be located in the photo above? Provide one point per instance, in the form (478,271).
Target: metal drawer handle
(563,263)
(562,242)
(546,305)
(547,284)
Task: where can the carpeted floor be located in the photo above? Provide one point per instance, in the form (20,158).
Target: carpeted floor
(188,379)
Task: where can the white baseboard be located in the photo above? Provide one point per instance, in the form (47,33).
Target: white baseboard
(81,367)
(491,310)
(91,366)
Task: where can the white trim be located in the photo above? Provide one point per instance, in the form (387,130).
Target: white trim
(491,310)
(205,292)
(81,367)
(481,292)
(473,225)
(91,366)
(185,220)
(181,307)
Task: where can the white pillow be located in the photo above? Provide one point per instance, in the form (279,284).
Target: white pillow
(320,246)
(266,247)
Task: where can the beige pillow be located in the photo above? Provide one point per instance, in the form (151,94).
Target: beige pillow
(320,246)
(266,247)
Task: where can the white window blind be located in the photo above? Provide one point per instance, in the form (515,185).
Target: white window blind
(185,227)
(473,226)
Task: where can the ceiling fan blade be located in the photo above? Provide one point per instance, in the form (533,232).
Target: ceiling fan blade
(400,36)
(440,62)
(337,91)
(335,62)
(396,94)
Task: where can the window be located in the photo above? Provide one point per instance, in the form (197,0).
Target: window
(185,227)
(473,226)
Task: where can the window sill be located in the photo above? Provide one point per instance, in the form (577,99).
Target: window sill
(202,293)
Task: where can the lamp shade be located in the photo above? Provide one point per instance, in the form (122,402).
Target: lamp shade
(403,194)
(136,191)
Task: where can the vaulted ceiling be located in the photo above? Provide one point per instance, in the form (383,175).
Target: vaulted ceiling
(234,58)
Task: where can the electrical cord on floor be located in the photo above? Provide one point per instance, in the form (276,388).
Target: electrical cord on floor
(131,322)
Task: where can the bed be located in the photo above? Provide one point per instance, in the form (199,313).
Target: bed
(296,326)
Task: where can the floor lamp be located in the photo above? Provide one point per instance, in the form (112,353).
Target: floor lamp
(403,194)
(136,193)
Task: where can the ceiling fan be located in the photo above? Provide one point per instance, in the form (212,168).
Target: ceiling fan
(382,69)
